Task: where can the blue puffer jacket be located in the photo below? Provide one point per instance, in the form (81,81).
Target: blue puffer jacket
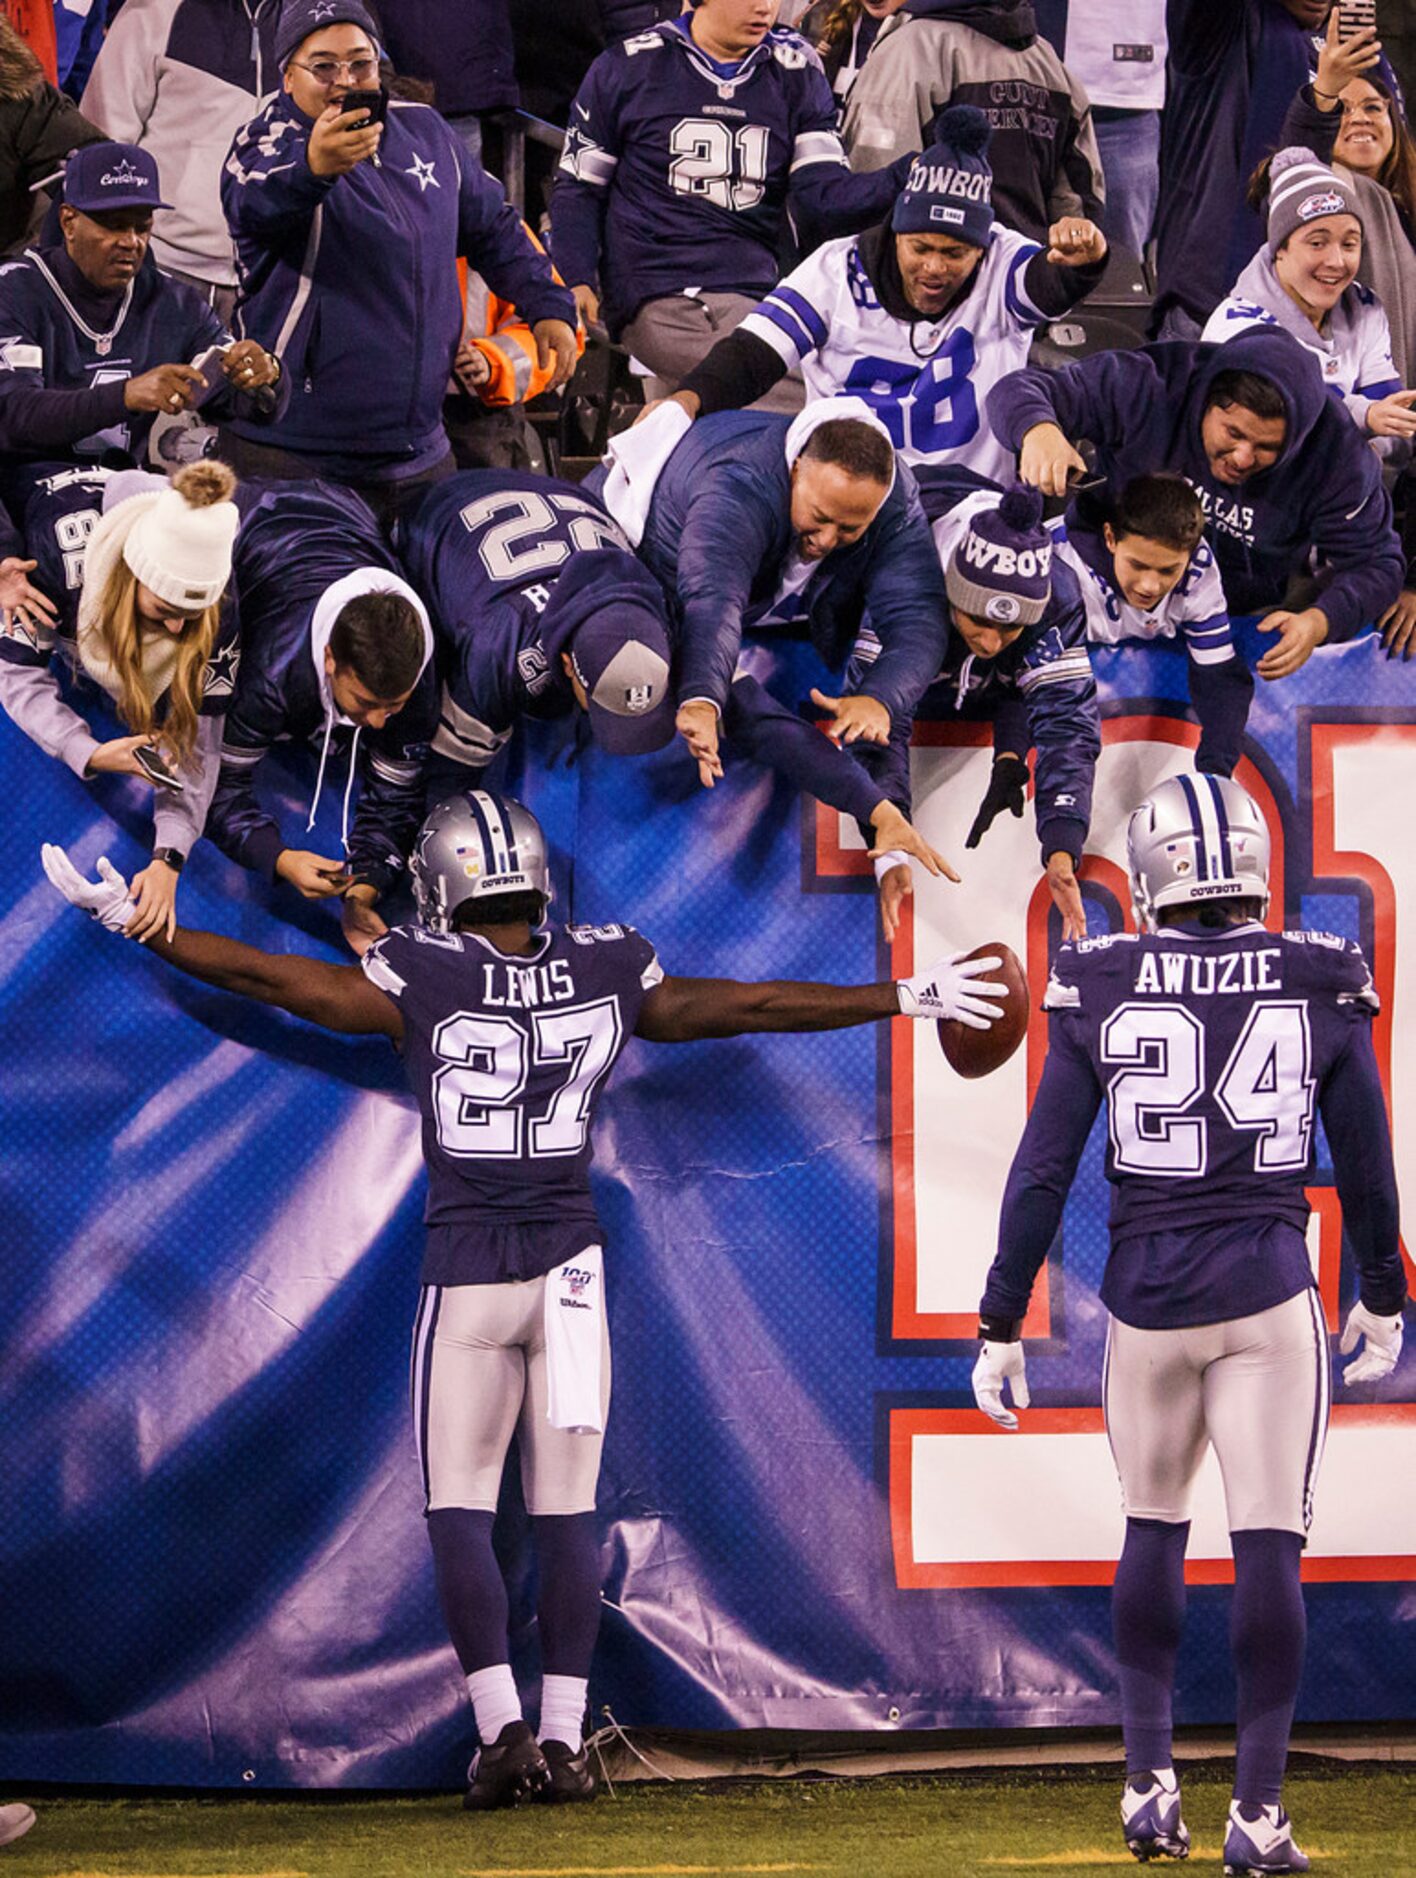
(352,279)
(719,535)
(1143,411)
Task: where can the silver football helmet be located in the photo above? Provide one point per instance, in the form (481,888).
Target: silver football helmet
(476,846)
(1196,838)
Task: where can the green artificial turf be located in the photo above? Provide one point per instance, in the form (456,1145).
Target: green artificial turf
(1356,1823)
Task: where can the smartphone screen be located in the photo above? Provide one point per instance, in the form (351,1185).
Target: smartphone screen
(374,105)
(151,762)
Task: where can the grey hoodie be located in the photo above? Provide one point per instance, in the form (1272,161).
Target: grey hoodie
(981,52)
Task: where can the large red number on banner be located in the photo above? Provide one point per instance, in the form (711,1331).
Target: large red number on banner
(1041,1507)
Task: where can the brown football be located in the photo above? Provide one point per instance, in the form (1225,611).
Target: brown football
(974,1053)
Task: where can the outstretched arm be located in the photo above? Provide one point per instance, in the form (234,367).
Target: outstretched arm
(678,1010)
(339,997)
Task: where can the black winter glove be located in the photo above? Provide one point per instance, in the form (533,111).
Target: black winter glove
(1007,789)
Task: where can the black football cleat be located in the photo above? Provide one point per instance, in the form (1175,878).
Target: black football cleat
(511,1770)
(571,1778)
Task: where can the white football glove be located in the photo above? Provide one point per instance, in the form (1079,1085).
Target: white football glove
(106,898)
(954,987)
(999,1363)
(1382,1349)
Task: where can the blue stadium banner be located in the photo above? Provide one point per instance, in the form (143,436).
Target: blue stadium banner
(212,1563)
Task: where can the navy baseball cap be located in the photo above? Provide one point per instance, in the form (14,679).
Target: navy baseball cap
(621,656)
(111,176)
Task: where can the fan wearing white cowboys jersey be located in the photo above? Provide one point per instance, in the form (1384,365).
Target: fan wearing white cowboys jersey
(1215,1046)
(920,317)
(510,1028)
(1148,575)
(686,145)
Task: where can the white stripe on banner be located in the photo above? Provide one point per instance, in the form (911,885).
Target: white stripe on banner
(957,1484)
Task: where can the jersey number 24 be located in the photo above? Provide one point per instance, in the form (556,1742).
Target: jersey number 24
(1265,1087)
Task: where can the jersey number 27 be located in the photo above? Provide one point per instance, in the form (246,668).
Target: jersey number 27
(484,1062)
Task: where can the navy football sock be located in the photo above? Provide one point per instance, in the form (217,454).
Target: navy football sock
(568,1609)
(1268,1630)
(471,1590)
(1147,1616)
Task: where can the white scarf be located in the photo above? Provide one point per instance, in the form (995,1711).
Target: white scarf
(634,462)
(157,651)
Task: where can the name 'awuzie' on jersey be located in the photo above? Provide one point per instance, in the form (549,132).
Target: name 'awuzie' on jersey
(507,1057)
(1214,1053)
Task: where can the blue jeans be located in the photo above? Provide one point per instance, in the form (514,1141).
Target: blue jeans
(1129,142)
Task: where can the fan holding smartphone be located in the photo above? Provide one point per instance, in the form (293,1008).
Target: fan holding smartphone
(399,203)
(153,633)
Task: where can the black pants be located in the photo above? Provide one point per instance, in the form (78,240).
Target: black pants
(270,463)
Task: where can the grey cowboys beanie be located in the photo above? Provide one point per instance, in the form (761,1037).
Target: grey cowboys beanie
(1303,190)
(1001,569)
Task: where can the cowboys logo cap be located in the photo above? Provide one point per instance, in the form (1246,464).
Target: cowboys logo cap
(621,656)
(104,176)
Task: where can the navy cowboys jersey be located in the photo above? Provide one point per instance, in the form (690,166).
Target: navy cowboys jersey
(684,170)
(1213,1052)
(486,548)
(45,343)
(507,1057)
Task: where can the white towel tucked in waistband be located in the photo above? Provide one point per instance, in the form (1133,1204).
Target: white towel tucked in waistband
(575,1315)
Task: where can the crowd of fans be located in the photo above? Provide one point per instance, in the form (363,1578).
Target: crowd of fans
(266,238)
(265,242)
(269,326)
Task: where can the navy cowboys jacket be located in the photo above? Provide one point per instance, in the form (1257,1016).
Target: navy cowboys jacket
(719,536)
(353,279)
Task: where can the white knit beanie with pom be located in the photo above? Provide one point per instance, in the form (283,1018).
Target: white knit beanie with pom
(180,547)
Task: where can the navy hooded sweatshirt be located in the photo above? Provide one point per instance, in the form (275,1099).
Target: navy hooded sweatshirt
(1323,495)
(297,540)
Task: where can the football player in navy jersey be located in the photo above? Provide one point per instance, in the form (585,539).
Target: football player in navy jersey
(510,1028)
(685,144)
(1215,1045)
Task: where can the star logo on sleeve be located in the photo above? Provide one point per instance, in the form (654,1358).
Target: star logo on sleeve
(219,679)
(575,142)
(422,174)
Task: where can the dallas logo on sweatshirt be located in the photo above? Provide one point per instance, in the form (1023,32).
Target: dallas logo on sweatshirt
(1231,518)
